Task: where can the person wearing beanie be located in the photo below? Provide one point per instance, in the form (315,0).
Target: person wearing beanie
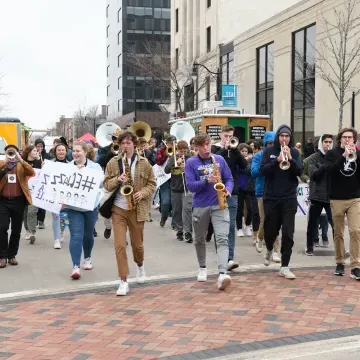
(280,196)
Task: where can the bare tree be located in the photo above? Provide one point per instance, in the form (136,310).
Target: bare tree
(338,56)
(160,71)
(84,120)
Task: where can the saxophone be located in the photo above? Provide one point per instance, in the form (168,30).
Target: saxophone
(127,190)
(219,186)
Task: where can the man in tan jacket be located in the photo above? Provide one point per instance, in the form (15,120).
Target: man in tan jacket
(14,196)
(138,173)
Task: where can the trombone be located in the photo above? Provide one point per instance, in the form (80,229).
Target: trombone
(285,163)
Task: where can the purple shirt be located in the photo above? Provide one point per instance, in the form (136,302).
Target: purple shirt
(197,170)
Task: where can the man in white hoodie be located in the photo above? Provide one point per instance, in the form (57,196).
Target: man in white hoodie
(319,193)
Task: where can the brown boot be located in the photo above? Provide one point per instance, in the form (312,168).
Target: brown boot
(13,262)
(2,263)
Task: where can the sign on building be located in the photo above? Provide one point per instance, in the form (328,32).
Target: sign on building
(229,95)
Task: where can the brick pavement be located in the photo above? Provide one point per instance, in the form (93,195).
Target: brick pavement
(182,319)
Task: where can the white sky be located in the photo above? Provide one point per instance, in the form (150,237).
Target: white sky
(52,56)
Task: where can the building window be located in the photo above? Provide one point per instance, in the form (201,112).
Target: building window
(119,82)
(208,39)
(119,105)
(119,60)
(108,71)
(207,88)
(107,11)
(227,68)
(303,83)
(265,80)
(208,3)
(177,20)
(108,51)
(107,31)
(108,90)
(189,97)
(176,59)
(119,37)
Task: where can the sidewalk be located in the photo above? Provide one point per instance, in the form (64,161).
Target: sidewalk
(182,319)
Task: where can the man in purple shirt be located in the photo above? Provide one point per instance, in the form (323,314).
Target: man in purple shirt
(200,180)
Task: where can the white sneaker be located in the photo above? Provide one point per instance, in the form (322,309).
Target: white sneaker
(57,244)
(267,256)
(27,235)
(88,264)
(123,288)
(75,273)
(240,233)
(224,281)
(62,236)
(286,273)
(140,274)
(259,245)
(248,231)
(276,257)
(232,265)
(202,275)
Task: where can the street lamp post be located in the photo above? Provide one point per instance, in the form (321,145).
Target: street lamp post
(195,76)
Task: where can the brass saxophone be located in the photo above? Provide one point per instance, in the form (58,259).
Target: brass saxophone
(219,186)
(127,190)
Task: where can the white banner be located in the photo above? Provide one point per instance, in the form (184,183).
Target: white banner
(302,200)
(65,184)
(160,176)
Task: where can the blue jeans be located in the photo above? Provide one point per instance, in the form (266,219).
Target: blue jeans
(56,226)
(81,226)
(233,206)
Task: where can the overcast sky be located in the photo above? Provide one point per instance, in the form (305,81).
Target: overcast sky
(52,56)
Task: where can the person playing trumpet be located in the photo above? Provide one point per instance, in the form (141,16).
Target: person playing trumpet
(344,192)
(228,149)
(280,195)
(181,198)
(144,185)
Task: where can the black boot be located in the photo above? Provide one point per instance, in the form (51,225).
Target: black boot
(180,236)
(188,238)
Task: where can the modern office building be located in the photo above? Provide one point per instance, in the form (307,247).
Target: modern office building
(275,63)
(130,24)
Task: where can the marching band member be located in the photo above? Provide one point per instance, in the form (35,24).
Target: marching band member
(14,196)
(202,172)
(236,162)
(181,199)
(162,157)
(344,192)
(82,222)
(104,156)
(129,169)
(281,165)
(268,140)
(319,192)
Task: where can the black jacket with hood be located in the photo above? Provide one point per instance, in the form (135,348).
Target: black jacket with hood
(44,155)
(344,179)
(319,185)
(280,184)
(234,159)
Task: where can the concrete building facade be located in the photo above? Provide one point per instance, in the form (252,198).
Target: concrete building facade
(276,66)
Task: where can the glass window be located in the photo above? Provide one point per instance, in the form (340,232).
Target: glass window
(130,10)
(148,11)
(138,11)
(303,85)
(261,102)
(166,4)
(270,65)
(262,67)
(177,20)
(157,13)
(208,39)
(166,13)
(157,3)
(108,31)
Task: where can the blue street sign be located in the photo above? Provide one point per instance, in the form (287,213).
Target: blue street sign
(229,95)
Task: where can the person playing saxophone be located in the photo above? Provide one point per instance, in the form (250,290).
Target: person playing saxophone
(201,180)
(139,175)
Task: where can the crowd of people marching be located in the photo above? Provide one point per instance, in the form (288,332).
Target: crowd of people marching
(222,190)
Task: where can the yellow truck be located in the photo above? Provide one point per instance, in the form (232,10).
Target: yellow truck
(11,133)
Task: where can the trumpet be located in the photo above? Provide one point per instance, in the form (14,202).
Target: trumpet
(11,154)
(115,148)
(285,163)
(234,142)
(351,156)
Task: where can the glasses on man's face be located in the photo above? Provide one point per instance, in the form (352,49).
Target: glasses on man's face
(347,137)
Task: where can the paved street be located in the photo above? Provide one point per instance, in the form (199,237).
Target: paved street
(183,319)
(42,267)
